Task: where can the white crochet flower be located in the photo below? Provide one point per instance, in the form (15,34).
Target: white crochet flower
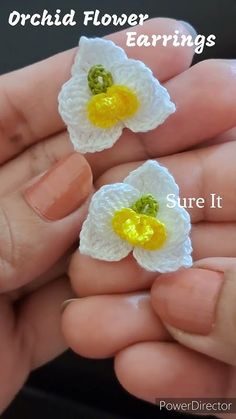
(99,239)
(141,105)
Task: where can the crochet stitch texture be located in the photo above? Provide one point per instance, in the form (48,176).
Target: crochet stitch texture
(99,240)
(100,63)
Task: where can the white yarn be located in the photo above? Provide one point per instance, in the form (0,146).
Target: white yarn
(98,240)
(155,103)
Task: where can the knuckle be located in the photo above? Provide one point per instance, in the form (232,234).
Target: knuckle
(15,130)
(39,158)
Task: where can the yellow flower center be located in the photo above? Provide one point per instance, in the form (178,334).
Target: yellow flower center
(139,229)
(117,103)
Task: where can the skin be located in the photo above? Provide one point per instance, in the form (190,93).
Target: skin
(149,362)
(33,137)
(135,334)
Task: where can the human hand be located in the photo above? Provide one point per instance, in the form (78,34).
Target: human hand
(117,317)
(40,225)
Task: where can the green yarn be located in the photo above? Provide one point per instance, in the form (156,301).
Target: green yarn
(147,205)
(99,79)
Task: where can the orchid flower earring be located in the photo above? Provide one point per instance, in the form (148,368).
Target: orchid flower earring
(107,92)
(134,216)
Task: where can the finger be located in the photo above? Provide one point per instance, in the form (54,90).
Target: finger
(41,312)
(216,263)
(91,277)
(41,221)
(224,137)
(165,62)
(207,239)
(35,338)
(29,96)
(154,370)
(32,162)
(210,297)
(58,270)
(213,240)
(199,116)
(229,135)
(99,326)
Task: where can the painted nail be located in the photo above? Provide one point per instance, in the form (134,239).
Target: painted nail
(62,189)
(191,30)
(188,299)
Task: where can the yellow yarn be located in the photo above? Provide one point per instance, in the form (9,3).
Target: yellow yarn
(139,229)
(106,109)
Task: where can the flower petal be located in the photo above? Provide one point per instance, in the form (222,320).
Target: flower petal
(86,138)
(177,250)
(155,179)
(177,221)
(103,245)
(109,199)
(165,261)
(94,51)
(97,238)
(155,103)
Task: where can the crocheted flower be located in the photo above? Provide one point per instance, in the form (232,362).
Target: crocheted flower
(134,216)
(107,92)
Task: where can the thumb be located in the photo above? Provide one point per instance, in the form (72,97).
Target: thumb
(41,221)
(198,307)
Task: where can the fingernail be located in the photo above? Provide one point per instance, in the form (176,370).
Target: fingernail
(62,189)
(67,302)
(187,300)
(192,31)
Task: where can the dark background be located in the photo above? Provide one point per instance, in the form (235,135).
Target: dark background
(72,387)
(24,45)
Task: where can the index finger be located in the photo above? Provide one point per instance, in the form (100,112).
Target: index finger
(28,97)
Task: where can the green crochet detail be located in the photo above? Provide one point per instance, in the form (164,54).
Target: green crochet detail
(147,205)
(99,79)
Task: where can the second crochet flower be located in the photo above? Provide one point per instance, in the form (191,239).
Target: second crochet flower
(133,216)
(107,92)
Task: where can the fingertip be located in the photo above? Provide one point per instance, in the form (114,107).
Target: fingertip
(100,326)
(187,299)
(68,326)
(189,28)
(86,327)
(154,370)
